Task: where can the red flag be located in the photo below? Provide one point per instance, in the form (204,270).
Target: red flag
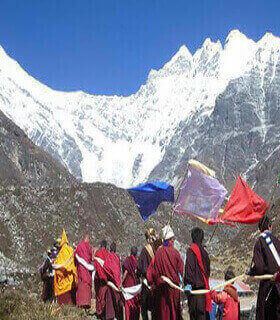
(244,205)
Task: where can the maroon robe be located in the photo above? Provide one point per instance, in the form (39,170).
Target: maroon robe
(132,306)
(84,287)
(167,262)
(108,302)
(268,303)
(194,277)
(146,299)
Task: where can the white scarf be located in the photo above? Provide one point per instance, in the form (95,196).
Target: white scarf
(266,236)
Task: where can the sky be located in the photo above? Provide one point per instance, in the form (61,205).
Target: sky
(109,46)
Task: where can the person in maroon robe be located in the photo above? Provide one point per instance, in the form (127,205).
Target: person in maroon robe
(130,279)
(144,260)
(83,258)
(266,260)
(117,296)
(107,299)
(197,273)
(100,281)
(167,262)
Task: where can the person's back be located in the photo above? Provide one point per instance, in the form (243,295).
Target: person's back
(130,279)
(197,272)
(47,275)
(144,260)
(167,262)
(84,286)
(228,299)
(66,275)
(266,260)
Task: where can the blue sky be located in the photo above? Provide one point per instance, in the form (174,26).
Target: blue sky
(109,46)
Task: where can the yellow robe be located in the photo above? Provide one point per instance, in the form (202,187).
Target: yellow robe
(65,277)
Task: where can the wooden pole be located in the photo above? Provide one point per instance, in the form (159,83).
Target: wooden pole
(177,195)
(213,233)
(272,195)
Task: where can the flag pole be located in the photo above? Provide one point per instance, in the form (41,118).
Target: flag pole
(177,196)
(213,233)
(273,194)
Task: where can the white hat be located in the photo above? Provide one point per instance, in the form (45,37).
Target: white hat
(167,232)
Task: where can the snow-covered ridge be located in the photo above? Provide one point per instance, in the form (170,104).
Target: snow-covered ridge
(121,139)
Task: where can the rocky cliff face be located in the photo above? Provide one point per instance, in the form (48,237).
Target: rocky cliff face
(22,163)
(38,197)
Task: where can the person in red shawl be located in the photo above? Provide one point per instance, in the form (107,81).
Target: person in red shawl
(130,279)
(167,262)
(107,268)
(197,273)
(83,256)
(228,299)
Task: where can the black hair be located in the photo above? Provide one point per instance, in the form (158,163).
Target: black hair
(134,251)
(113,247)
(197,235)
(229,273)
(264,223)
(103,244)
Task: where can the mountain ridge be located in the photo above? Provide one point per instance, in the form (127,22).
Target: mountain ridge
(121,140)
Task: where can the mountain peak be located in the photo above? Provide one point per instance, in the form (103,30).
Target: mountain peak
(270,40)
(235,35)
(183,52)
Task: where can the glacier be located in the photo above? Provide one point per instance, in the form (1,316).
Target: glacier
(120,140)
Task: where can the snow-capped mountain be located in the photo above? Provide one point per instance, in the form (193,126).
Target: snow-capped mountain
(213,105)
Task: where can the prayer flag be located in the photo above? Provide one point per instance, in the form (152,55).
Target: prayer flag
(244,205)
(148,196)
(200,195)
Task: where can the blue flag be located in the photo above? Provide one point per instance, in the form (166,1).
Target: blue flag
(148,196)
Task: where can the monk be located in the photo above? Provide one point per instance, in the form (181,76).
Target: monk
(65,273)
(113,251)
(107,270)
(130,279)
(83,256)
(167,262)
(144,260)
(266,260)
(197,273)
(116,278)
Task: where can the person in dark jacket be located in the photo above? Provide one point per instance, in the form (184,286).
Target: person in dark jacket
(144,260)
(266,260)
(197,273)
(47,274)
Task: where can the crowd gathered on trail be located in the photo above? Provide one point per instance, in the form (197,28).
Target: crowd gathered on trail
(153,283)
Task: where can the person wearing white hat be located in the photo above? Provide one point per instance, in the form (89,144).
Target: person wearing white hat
(167,233)
(168,263)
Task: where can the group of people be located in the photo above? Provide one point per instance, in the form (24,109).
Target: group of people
(152,282)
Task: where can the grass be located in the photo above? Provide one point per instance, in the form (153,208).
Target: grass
(16,304)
